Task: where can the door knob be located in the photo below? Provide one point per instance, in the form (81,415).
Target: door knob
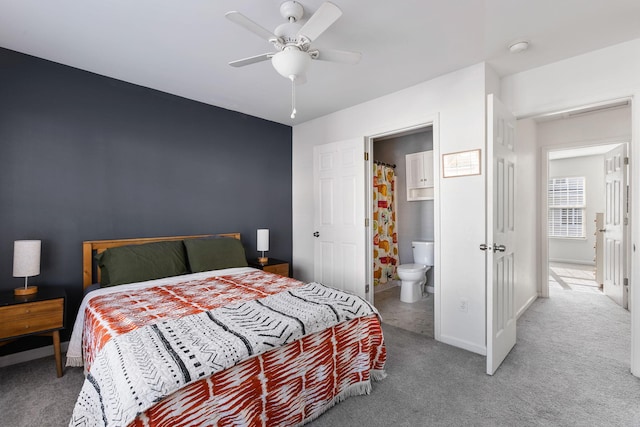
(483,247)
(602,230)
(499,248)
(316,234)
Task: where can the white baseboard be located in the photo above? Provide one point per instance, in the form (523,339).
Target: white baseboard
(465,345)
(36,353)
(385,286)
(526,306)
(572,261)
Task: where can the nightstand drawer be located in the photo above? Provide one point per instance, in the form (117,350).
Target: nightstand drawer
(281,269)
(28,318)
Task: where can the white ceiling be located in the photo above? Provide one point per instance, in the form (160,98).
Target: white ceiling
(182,46)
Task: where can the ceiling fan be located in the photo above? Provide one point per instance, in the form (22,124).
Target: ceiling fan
(292,42)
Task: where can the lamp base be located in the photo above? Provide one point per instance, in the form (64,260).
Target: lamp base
(29,290)
(263,260)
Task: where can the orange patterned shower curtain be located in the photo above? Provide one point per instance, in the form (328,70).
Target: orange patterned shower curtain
(385,238)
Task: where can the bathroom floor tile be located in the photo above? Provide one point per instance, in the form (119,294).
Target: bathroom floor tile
(415,317)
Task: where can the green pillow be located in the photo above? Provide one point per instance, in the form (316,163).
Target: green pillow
(138,263)
(214,254)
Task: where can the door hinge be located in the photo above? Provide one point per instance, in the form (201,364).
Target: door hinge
(366,288)
(626,221)
(366,222)
(626,160)
(366,156)
(625,282)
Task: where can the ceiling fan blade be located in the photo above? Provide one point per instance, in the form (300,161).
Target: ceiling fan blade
(339,56)
(251,60)
(325,16)
(248,24)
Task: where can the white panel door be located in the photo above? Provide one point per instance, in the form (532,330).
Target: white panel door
(339,216)
(614,224)
(501,233)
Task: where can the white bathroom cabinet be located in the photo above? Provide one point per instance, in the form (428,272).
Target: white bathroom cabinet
(420,176)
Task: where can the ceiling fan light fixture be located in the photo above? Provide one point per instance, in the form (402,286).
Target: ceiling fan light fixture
(291,62)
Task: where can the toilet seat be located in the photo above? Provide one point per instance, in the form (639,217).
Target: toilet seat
(412,268)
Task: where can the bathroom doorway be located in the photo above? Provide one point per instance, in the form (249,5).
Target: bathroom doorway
(401,213)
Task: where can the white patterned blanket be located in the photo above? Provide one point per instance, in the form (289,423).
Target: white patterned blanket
(135,370)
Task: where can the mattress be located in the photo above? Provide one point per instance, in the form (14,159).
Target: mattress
(287,385)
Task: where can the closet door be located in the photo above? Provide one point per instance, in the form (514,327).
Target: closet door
(339,216)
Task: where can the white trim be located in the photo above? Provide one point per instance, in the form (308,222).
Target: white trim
(562,107)
(463,344)
(386,286)
(28,355)
(526,306)
(572,261)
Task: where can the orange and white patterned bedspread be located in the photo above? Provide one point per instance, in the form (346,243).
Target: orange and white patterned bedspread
(286,386)
(117,313)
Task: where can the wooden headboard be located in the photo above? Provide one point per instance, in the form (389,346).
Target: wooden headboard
(92,247)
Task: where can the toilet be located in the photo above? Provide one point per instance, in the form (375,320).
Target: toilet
(413,276)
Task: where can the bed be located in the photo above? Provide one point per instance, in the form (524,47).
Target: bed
(218,343)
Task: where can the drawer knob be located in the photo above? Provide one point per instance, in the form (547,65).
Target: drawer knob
(26,326)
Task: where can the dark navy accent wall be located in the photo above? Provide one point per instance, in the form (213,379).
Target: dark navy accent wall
(85,157)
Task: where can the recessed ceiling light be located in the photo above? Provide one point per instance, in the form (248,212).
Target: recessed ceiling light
(519,46)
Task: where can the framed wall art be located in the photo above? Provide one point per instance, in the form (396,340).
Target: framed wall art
(461,163)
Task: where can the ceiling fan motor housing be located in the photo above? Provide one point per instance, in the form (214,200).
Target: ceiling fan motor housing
(288,32)
(291,9)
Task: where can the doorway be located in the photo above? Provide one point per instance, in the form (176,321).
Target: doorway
(581,205)
(398,218)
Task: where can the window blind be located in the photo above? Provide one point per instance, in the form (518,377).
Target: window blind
(566,201)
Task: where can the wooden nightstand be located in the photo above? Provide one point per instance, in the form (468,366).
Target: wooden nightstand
(38,314)
(276,266)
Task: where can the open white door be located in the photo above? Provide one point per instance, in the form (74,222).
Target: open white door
(339,217)
(501,233)
(615,218)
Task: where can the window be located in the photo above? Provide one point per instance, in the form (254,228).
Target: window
(566,199)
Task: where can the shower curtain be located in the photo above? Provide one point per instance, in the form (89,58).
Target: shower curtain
(385,238)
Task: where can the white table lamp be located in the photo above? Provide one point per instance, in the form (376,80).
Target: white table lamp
(26,263)
(263,244)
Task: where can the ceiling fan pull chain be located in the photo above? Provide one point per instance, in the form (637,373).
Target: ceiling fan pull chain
(293,97)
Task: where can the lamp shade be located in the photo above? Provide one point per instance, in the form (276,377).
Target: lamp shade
(26,258)
(263,239)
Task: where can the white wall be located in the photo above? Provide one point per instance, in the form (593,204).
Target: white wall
(598,76)
(458,101)
(601,127)
(526,253)
(580,250)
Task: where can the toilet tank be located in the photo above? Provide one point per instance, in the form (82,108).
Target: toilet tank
(422,252)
